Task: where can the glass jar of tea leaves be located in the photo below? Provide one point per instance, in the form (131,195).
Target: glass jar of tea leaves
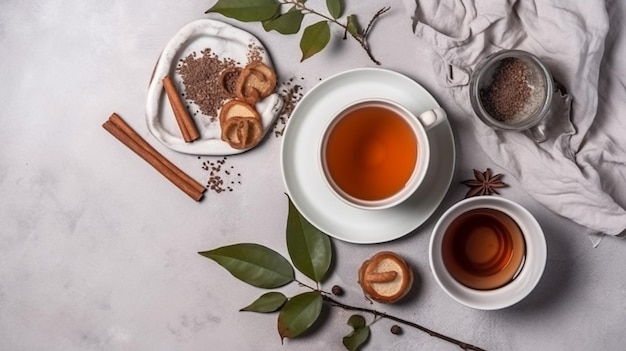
(512,90)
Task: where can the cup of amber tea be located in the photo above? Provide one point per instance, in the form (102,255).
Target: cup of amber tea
(375,153)
(487,252)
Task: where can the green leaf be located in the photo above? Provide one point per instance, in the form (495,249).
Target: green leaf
(359,335)
(247,10)
(287,23)
(353,26)
(309,248)
(355,339)
(254,264)
(299,314)
(335,8)
(314,39)
(268,302)
(356,321)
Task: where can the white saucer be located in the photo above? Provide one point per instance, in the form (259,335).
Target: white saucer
(303,178)
(225,41)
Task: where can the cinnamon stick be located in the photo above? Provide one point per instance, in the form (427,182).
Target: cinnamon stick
(185,122)
(124,133)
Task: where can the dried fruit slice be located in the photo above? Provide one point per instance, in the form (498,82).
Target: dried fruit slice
(236,108)
(241,124)
(385,277)
(256,81)
(242,132)
(229,78)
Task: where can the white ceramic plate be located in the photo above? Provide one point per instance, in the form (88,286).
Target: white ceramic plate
(303,178)
(225,41)
(516,290)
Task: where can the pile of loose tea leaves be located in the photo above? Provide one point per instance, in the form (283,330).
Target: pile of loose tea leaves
(202,78)
(509,92)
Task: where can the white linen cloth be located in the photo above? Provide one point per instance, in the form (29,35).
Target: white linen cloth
(580,172)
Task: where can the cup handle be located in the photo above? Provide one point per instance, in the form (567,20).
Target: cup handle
(433,117)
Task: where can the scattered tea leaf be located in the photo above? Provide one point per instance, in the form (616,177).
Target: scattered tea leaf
(309,248)
(359,335)
(254,264)
(267,303)
(247,10)
(314,39)
(335,8)
(353,26)
(299,314)
(287,23)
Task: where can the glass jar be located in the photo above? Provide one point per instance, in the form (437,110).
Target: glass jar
(512,90)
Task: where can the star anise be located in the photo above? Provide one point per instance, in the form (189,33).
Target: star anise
(484,183)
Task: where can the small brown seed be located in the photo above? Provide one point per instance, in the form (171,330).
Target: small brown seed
(396,329)
(337,290)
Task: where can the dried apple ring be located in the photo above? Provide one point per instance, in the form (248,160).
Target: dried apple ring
(242,132)
(236,108)
(256,81)
(229,78)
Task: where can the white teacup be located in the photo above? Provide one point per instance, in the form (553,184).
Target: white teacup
(473,251)
(375,153)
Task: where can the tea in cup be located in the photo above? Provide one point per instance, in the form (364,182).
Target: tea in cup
(483,248)
(374,153)
(487,252)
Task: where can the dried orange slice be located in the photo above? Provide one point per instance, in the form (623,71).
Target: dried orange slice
(256,81)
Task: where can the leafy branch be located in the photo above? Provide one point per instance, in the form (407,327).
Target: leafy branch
(311,254)
(463,345)
(315,37)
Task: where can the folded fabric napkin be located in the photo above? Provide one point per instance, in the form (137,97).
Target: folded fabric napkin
(580,171)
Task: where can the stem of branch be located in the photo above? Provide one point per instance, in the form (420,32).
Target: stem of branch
(371,24)
(361,38)
(463,345)
(306,285)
